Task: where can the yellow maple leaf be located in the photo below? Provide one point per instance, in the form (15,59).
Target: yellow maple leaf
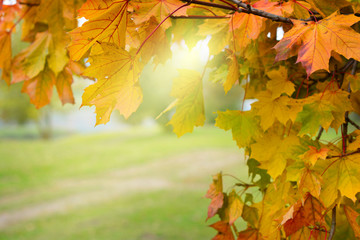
(117,86)
(281,108)
(107,23)
(244,125)
(188,90)
(272,152)
(341,174)
(279,82)
(233,72)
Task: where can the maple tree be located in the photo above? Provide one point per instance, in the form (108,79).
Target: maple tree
(305,82)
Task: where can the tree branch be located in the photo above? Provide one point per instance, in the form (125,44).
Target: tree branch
(247,8)
(198,17)
(353,123)
(320,133)
(29,4)
(244,8)
(333,224)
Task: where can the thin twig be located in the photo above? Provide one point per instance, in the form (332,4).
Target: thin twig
(320,133)
(198,17)
(353,123)
(333,224)
(29,4)
(244,8)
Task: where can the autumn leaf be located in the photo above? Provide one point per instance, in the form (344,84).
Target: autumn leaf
(277,152)
(327,7)
(224,231)
(314,154)
(244,125)
(40,88)
(215,193)
(351,216)
(279,83)
(117,86)
(281,108)
(235,207)
(63,86)
(249,234)
(247,27)
(341,174)
(189,103)
(306,212)
(314,41)
(159,9)
(107,22)
(5,55)
(233,72)
(32,60)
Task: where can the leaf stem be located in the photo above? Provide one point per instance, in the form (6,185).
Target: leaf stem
(321,130)
(306,9)
(333,224)
(157,27)
(21,18)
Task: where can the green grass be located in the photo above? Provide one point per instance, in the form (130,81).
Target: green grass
(31,170)
(27,164)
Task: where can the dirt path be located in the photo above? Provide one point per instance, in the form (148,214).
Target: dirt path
(172,172)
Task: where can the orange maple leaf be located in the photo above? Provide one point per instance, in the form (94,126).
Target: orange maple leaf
(303,213)
(215,193)
(314,154)
(314,41)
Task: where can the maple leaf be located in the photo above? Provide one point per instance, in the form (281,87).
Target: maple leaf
(40,88)
(306,212)
(5,55)
(314,154)
(32,60)
(233,73)
(249,234)
(277,152)
(341,174)
(158,46)
(63,86)
(117,86)
(159,9)
(308,180)
(351,216)
(279,82)
(327,7)
(188,90)
(235,207)
(224,231)
(282,108)
(215,193)
(247,27)
(107,23)
(314,41)
(244,125)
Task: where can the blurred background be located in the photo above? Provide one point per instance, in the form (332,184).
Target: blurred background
(63,178)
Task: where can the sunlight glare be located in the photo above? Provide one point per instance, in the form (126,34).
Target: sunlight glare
(195,58)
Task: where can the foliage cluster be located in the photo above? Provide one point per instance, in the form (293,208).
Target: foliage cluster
(304,83)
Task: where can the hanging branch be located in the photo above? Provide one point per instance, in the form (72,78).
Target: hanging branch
(244,8)
(198,17)
(333,224)
(352,123)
